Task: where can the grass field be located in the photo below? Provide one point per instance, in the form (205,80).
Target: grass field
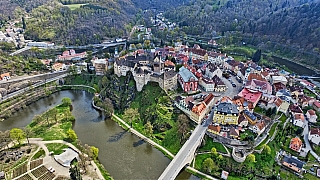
(74,6)
(56,148)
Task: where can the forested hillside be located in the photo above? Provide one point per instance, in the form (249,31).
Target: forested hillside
(294,21)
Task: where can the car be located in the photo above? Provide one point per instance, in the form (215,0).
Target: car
(51,169)
(234,85)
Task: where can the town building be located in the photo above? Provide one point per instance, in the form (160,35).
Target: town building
(259,127)
(196,107)
(214,129)
(187,80)
(207,84)
(314,136)
(5,77)
(146,67)
(311,116)
(316,106)
(293,163)
(226,113)
(252,119)
(100,66)
(70,54)
(295,144)
(242,121)
(298,120)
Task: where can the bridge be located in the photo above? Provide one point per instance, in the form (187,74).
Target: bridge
(187,152)
(103,45)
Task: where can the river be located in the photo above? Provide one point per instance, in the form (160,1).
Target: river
(124,155)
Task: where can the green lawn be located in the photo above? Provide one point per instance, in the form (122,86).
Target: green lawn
(199,160)
(272,130)
(39,154)
(56,148)
(309,93)
(210,144)
(74,6)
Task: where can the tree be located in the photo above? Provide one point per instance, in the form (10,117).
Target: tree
(72,135)
(28,133)
(146,44)
(17,134)
(251,158)
(108,107)
(94,151)
(214,152)
(267,149)
(37,118)
(208,165)
(75,172)
(148,128)
(183,126)
(131,114)
(54,113)
(66,101)
(257,56)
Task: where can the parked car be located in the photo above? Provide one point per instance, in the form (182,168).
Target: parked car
(234,85)
(51,169)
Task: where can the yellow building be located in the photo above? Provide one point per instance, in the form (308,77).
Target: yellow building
(226,113)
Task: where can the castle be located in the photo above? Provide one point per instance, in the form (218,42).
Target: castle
(147,68)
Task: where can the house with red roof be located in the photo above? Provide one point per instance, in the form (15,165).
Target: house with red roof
(71,54)
(295,108)
(5,77)
(311,116)
(314,136)
(258,127)
(215,129)
(295,144)
(250,96)
(298,120)
(316,106)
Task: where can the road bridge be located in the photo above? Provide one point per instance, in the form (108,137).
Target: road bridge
(187,152)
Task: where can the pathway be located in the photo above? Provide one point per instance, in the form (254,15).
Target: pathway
(306,140)
(49,161)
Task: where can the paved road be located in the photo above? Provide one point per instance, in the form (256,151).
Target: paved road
(186,153)
(33,86)
(20,50)
(14,79)
(306,140)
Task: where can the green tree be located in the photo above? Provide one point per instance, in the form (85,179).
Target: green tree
(214,152)
(131,114)
(37,118)
(146,44)
(208,165)
(183,126)
(72,135)
(148,128)
(66,101)
(94,151)
(108,107)
(17,134)
(54,113)
(267,149)
(251,158)
(28,133)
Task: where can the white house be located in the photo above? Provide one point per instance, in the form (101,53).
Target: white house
(311,115)
(314,135)
(258,127)
(298,120)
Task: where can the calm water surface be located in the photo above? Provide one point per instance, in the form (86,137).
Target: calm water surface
(124,155)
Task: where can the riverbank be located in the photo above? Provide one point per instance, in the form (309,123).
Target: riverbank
(55,125)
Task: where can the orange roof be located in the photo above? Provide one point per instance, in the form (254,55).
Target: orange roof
(5,75)
(214,128)
(169,63)
(311,112)
(199,108)
(208,99)
(261,125)
(296,142)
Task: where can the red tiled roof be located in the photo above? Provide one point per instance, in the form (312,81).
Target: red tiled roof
(315,131)
(256,76)
(311,112)
(214,128)
(317,104)
(208,99)
(299,116)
